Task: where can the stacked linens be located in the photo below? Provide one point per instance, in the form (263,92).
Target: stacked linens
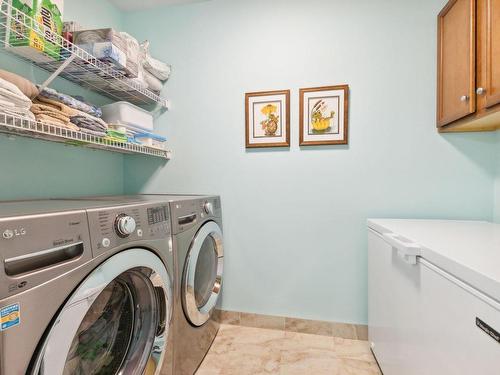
(13,102)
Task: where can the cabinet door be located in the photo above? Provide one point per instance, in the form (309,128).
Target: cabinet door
(492,64)
(456,97)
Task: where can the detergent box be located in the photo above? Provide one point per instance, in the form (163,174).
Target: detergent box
(35,25)
(19,29)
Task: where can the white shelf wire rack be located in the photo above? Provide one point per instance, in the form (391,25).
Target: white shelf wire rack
(15,125)
(72,62)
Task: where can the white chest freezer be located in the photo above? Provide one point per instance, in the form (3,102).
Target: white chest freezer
(434,296)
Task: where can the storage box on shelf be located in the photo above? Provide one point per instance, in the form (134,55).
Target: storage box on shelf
(73,63)
(19,126)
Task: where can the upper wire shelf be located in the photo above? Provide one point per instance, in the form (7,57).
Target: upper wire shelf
(72,63)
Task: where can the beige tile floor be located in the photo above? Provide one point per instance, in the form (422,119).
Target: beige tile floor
(243,350)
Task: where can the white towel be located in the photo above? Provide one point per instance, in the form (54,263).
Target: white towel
(13,101)
(156,67)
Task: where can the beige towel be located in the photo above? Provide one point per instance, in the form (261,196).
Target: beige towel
(46,119)
(39,109)
(50,115)
(56,105)
(26,86)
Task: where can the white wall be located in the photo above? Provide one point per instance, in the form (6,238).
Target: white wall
(295,219)
(497,183)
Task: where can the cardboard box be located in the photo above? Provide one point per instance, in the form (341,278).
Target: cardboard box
(18,33)
(36,25)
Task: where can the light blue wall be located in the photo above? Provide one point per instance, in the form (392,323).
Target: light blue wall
(35,169)
(295,219)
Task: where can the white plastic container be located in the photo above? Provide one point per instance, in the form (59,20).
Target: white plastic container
(124,113)
(151,140)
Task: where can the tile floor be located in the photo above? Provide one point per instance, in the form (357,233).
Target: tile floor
(243,350)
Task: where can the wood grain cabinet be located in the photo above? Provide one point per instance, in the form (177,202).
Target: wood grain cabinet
(468,87)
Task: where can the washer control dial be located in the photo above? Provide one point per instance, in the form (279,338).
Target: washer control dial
(208,208)
(125,225)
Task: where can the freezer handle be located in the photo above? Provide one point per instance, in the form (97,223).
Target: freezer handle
(407,250)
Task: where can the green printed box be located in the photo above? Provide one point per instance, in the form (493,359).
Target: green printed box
(40,34)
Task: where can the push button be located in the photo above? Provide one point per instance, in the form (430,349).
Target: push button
(106,242)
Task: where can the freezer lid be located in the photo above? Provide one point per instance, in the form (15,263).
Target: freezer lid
(469,250)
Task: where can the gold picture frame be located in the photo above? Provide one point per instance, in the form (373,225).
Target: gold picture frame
(324,115)
(267,119)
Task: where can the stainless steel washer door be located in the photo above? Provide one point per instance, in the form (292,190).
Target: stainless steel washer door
(116,322)
(202,278)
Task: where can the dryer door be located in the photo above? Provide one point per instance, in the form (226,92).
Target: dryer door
(116,322)
(203,273)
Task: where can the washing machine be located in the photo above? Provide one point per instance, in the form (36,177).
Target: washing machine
(85,288)
(199,254)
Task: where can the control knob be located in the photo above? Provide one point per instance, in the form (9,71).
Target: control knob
(208,208)
(125,225)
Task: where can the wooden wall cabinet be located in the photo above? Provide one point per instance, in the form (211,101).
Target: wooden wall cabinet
(468,87)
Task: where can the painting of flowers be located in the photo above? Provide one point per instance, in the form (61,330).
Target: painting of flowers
(323,115)
(267,119)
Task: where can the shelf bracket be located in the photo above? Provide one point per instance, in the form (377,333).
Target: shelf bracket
(58,71)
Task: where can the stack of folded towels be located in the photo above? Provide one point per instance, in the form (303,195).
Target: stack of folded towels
(15,94)
(154,72)
(63,110)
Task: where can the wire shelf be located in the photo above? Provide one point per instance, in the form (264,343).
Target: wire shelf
(72,62)
(34,129)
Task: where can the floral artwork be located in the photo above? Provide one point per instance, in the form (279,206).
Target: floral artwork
(320,120)
(267,119)
(270,124)
(324,115)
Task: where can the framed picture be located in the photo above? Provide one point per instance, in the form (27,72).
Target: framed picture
(267,119)
(324,115)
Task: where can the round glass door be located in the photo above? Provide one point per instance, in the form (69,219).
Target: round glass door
(115,323)
(203,273)
(103,339)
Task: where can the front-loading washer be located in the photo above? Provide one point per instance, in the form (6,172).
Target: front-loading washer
(199,254)
(85,288)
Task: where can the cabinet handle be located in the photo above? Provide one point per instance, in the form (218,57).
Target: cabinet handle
(481,91)
(464,98)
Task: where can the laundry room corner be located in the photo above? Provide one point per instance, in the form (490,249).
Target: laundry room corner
(241,187)
(302,211)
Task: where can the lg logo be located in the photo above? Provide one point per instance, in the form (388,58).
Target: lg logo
(8,234)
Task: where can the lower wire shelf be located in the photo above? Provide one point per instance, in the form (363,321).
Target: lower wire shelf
(15,125)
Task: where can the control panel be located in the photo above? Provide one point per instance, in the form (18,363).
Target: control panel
(116,226)
(187,213)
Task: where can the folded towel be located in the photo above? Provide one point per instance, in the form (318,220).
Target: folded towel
(116,136)
(70,102)
(154,83)
(11,93)
(46,119)
(51,115)
(26,86)
(13,102)
(156,67)
(92,132)
(39,108)
(85,121)
(60,107)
